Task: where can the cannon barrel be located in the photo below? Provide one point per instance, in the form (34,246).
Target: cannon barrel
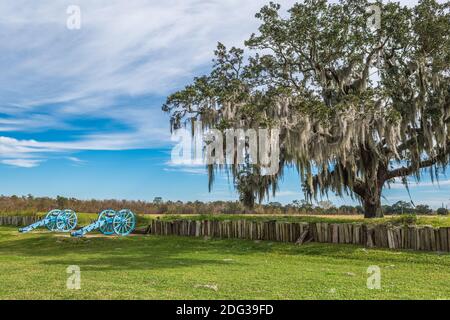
(91,227)
(110,222)
(55,220)
(37,224)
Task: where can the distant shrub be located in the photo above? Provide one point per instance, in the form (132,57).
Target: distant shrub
(442,211)
(406,219)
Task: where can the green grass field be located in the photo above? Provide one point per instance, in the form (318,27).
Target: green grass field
(33,266)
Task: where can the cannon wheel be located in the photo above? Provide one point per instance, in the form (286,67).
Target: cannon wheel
(124,222)
(66,221)
(52,217)
(108,216)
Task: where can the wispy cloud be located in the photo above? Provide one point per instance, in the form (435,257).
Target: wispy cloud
(190,170)
(414,184)
(126,51)
(123,48)
(10,147)
(52,76)
(186,166)
(76,161)
(288,193)
(23,163)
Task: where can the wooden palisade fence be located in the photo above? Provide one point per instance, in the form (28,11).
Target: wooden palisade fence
(17,220)
(383,235)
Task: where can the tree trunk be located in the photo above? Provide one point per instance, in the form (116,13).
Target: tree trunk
(372,207)
(371,190)
(370,196)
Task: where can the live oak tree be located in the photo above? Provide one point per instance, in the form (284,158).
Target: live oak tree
(358,105)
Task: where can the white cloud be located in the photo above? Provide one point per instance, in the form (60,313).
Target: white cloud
(190,170)
(414,184)
(76,160)
(186,166)
(23,163)
(10,147)
(124,49)
(288,193)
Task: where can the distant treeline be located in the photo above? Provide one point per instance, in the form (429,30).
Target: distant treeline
(29,205)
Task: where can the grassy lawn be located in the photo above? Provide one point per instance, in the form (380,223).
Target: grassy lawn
(148,267)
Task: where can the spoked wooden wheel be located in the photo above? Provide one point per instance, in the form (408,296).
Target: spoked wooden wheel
(52,217)
(107,216)
(66,221)
(124,222)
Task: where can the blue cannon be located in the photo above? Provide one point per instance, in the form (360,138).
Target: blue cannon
(110,222)
(55,220)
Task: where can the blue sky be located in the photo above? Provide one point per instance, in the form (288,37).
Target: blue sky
(80,109)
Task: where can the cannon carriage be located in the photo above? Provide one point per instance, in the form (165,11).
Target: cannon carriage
(55,220)
(110,222)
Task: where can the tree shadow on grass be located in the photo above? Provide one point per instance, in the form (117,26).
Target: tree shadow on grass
(130,263)
(150,252)
(101,254)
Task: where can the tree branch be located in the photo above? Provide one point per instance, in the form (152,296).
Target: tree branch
(406,171)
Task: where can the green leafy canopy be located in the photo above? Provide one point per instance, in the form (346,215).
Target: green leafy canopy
(356,107)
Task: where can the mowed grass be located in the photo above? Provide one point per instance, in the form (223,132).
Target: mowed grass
(33,266)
